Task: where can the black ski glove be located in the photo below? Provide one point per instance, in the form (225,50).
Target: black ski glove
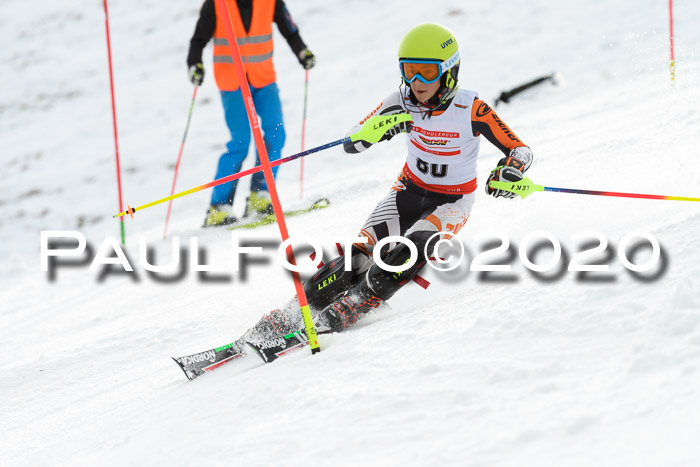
(307,59)
(402,127)
(197,74)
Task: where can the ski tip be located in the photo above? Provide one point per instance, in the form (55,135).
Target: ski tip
(183,368)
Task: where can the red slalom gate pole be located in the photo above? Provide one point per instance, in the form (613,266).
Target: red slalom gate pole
(673,60)
(114,121)
(267,171)
(303,133)
(177,164)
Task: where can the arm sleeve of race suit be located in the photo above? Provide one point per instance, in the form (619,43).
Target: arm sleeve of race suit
(288,28)
(390,105)
(486,122)
(203,32)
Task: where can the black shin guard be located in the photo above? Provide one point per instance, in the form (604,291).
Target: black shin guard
(385,284)
(331,281)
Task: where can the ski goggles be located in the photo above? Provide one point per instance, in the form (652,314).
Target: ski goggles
(426,70)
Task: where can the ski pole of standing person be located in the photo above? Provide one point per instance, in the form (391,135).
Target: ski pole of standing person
(179,156)
(303,133)
(114,121)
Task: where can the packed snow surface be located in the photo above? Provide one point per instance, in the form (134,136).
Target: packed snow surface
(513,368)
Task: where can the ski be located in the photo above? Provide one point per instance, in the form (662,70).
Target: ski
(271,219)
(271,349)
(268,350)
(277,334)
(197,364)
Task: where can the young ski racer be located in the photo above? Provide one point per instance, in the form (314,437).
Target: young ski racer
(434,192)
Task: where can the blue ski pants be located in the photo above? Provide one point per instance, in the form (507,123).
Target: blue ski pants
(269,108)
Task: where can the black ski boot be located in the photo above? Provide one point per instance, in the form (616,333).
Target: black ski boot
(345,311)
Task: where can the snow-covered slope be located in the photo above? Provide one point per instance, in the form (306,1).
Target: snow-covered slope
(514,370)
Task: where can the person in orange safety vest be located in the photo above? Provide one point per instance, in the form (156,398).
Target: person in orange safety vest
(252,22)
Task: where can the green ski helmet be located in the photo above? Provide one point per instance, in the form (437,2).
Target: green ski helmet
(429,52)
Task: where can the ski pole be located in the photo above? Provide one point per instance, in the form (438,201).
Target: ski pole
(236,176)
(526,187)
(670,31)
(372,131)
(114,119)
(506,96)
(303,134)
(177,164)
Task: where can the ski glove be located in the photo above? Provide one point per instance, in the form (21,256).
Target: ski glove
(197,74)
(403,127)
(510,169)
(307,59)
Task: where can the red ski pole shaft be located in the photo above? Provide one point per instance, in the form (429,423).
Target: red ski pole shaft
(177,164)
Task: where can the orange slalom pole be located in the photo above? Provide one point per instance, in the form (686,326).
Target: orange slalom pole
(267,171)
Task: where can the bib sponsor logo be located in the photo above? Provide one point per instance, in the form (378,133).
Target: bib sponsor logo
(435,134)
(208,356)
(454,151)
(433,142)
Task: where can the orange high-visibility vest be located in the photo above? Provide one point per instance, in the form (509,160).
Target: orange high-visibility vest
(255,46)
